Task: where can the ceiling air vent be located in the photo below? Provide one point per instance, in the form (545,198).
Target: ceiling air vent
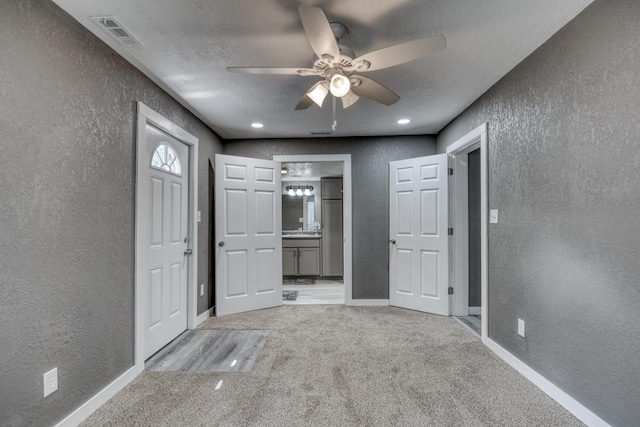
(117,31)
(321,132)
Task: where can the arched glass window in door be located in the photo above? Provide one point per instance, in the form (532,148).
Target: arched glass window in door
(166,159)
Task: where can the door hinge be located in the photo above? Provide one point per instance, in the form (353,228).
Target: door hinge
(450,171)
(450,231)
(450,290)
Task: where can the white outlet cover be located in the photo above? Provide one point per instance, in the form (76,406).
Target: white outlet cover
(493,216)
(199,216)
(202,290)
(50,381)
(521,327)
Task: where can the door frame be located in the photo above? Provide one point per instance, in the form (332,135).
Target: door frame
(148,116)
(459,220)
(346,208)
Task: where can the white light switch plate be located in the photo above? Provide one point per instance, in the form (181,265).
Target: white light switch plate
(493,216)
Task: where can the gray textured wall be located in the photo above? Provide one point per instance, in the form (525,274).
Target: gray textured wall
(370,159)
(67,115)
(564,172)
(473,186)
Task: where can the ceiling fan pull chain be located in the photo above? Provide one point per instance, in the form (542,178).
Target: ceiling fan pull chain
(335,123)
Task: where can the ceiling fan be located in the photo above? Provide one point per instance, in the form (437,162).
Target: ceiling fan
(340,68)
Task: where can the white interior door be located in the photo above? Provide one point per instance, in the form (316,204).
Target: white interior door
(418,234)
(164,205)
(248,200)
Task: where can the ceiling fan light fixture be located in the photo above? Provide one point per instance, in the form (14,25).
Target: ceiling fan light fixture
(339,86)
(349,99)
(318,93)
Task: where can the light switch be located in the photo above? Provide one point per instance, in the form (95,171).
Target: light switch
(493,216)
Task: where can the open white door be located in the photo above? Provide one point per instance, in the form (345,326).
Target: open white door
(248,205)
(418,234)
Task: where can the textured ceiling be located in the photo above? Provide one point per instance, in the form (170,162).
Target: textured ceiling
(187,46)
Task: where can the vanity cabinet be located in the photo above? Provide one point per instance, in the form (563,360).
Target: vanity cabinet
(300,257)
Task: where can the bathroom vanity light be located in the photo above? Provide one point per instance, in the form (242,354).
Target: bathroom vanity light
(299,190)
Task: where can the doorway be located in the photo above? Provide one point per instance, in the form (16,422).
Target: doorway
(166,241)
(312,233)
(344,160)
(465,220)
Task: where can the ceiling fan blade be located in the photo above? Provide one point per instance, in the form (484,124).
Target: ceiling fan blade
(273,70)
(304,103)
(399,54)
(318,30)
(373,90)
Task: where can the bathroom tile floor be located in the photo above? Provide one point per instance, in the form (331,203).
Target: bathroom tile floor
(323,292)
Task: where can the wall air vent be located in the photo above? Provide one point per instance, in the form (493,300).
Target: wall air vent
(117,31)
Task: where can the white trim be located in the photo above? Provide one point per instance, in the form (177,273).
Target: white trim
(99,399)
(459,220)
(204,316)
(147,115)
(475,311)
(569,403)
(369,302)
(346,206)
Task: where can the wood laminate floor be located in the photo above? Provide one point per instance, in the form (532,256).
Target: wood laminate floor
(210,351)
(323,292)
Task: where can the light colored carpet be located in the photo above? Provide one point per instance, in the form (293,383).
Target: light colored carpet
(343,366)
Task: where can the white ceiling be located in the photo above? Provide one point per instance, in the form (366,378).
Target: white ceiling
(187,46)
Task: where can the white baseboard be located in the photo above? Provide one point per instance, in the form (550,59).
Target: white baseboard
(475,311)
(568,402)
(368,302)
(204,316)
(99,399)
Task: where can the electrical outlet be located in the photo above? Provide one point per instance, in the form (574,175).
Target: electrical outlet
(199,216)
(202,290)
(50,381)
(521,327)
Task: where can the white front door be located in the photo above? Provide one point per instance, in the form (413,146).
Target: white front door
(418,234)
(164,208)
(248,200)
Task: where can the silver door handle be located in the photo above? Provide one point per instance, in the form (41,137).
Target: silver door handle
(188,251)
(392,241)
(221,243)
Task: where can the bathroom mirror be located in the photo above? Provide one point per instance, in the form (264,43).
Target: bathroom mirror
(298,212)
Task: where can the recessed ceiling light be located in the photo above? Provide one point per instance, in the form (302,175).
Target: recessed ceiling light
(257,125)
(403,121)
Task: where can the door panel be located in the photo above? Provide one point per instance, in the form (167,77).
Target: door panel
(166,213)
(248,234)
(418,235)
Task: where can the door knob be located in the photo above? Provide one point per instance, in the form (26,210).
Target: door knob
(188,251)
(221,243)
(392,241)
